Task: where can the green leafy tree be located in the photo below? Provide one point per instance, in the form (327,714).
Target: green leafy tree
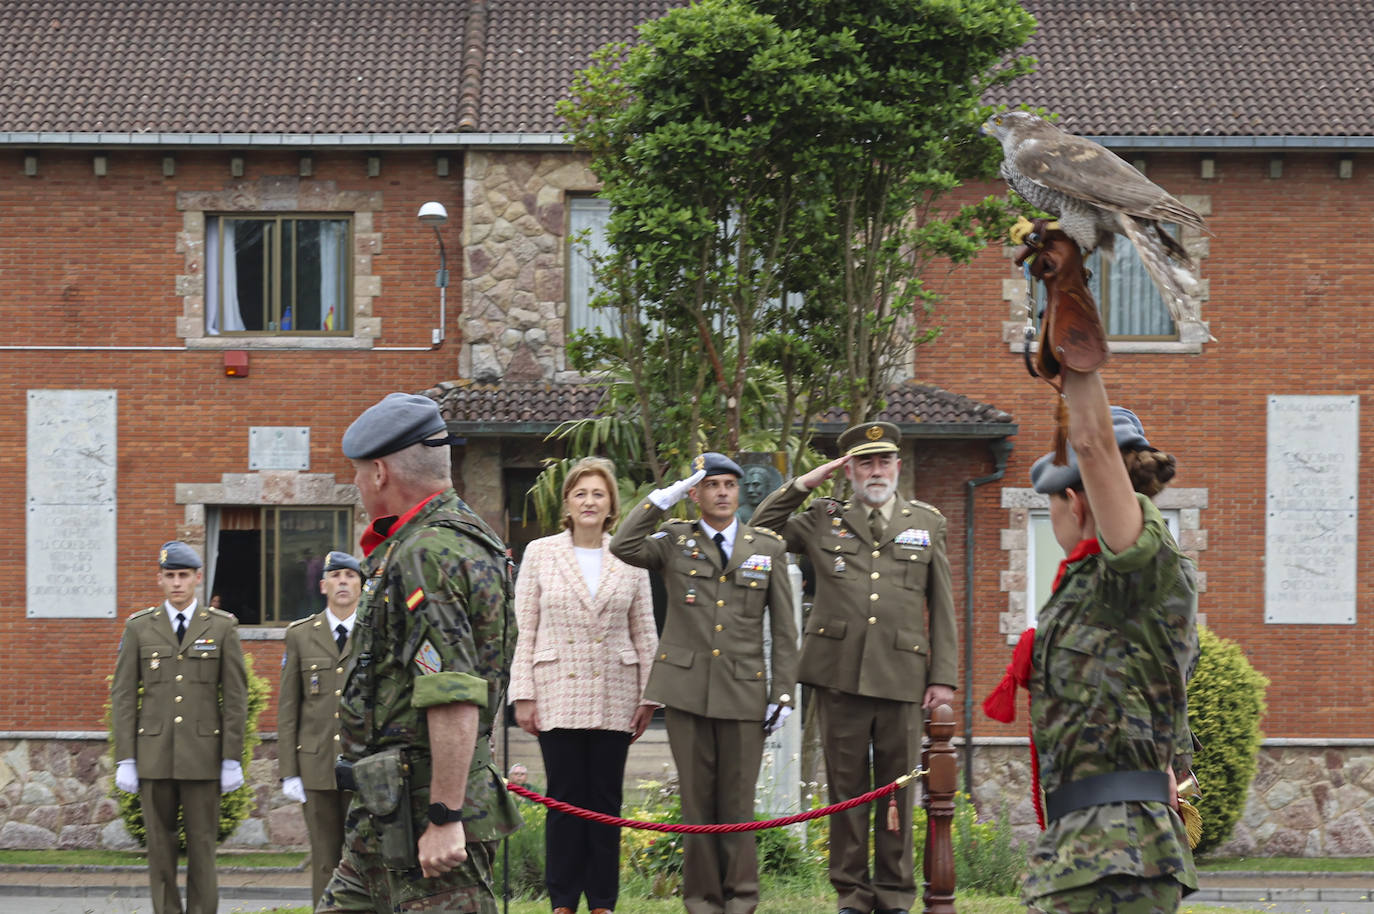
(776,171)
(234,806)
(1225,706)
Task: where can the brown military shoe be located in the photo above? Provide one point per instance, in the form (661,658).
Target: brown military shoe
(602,911)
(564,910)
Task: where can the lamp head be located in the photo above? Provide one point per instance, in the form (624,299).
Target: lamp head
(433,213)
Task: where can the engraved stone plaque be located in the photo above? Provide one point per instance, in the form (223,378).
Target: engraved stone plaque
(278,447)
(70,511)
(1311,509)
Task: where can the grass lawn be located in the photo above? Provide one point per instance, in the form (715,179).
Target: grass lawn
(966,904)
(290,860)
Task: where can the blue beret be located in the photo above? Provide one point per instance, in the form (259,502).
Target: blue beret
(176,554)
(716,464)
(337,561)
(397,422)
(1047,479)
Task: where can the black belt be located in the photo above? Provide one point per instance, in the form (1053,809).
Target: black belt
(1112,787)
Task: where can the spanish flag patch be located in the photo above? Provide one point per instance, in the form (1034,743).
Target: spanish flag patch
(415,599)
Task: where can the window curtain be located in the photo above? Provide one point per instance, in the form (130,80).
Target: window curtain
(331,244)
(587,214)
(221,274)
(1136,308)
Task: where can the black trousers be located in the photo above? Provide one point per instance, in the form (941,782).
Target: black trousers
(585,768)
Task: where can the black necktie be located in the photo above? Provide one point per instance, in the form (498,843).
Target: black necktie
(875,525)
(341,636)
(720,544)
(181,627)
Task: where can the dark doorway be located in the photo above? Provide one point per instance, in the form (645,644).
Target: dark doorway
(238,574)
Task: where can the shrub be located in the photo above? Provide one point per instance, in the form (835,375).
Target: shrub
(1225,705)
(234,806)
(653,860)
(986,857)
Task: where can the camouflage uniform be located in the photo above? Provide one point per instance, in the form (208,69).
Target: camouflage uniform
(1114,648)
(437,595)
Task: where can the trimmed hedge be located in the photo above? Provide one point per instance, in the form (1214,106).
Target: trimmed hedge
(1225,705)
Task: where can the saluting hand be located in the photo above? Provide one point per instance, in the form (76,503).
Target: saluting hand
(666,497)
(823,472)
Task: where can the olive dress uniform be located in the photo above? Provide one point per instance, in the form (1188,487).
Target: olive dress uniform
(308,736)
(191,718)
(881,629)
(710,675)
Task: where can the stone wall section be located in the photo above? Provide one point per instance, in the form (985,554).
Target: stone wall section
(1305,801)
(515,270)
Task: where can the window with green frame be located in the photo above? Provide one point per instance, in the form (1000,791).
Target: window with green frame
(1131,306)
(277,274)
(266,563)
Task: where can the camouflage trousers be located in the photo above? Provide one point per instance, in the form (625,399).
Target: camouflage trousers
(1120,894)
(363,883)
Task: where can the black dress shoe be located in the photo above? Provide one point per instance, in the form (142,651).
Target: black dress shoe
(850,911)
(891,911)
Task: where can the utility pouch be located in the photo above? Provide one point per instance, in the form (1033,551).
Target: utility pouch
(384,788)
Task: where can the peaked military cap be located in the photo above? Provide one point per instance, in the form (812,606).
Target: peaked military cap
(716,465)
(1047,479)
(397,422)
(176,554)
(338,561)
(870,438)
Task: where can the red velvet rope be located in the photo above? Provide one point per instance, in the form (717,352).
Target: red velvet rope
(605,819)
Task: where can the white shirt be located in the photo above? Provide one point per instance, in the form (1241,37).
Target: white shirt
(189,613)
(729,533)
(589,560)
(334,622)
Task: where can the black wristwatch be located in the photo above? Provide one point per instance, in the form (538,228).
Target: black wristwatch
(440,814)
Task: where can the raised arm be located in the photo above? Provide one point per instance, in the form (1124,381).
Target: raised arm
(1105,480)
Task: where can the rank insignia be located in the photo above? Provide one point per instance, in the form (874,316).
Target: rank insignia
(699,463)
(427,658)
(416,597)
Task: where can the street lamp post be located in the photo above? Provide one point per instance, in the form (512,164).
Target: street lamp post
(434,215)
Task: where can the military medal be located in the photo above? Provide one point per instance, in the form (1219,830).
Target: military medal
(314,683)
(839,564)
(690,598)
(154,663)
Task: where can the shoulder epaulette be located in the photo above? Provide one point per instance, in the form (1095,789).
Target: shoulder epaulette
(144,612)
(931,508)
(223,614)
(300,621)
(773,533)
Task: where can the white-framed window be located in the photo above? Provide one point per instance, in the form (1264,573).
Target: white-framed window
(1043,555)
(287,274)
(1131,306)
(587,218)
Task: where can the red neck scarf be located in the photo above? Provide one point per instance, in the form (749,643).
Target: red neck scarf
(381,528)
(1001,703)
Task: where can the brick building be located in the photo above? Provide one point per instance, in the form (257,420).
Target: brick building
(309,134)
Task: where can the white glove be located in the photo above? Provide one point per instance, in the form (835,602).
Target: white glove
(783,713)
(126,775)
(665,498)
(294,789)
(230,776)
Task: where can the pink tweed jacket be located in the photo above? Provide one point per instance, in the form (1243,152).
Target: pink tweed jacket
(584,660)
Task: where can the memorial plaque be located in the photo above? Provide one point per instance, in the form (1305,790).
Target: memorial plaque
(1311,509)
(72,453)
(278,447)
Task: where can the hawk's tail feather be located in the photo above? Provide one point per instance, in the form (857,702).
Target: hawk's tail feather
(1174,274)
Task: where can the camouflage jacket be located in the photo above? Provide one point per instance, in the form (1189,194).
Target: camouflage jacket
(1114,648)
(434,626)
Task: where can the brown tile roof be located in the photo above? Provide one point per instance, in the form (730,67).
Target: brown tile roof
(1202,67)
(1148,67)
(503,409)
(534,48)
(269,66)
